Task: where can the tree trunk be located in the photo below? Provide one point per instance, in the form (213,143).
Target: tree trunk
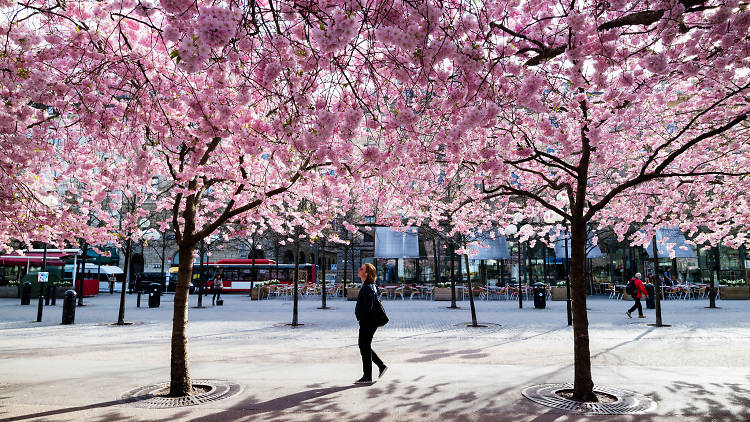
(471,293)
(295,310)
(717,268)
(121,313)
(323,268)
(657,285)
(252,270)
(453,276)
(83,272)
(201,282)
(583,385)
(180,384)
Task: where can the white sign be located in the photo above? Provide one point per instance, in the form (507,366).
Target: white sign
(43,277)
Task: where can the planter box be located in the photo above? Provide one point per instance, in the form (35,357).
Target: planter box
(559,293)
(352,293)
(444,293)
(9,291)
(263,292)
(735,293)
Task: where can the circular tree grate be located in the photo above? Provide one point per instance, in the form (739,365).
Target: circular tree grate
(626,403)
(479,325)
(154,396)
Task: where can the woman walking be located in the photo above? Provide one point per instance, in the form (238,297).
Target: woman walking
(365,312)
(217,288)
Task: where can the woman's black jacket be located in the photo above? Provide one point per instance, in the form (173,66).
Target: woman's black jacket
(366,300)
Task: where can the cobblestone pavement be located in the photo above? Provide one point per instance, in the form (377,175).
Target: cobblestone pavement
(698,369)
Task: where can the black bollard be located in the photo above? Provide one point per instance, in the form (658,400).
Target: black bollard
(138,301)
(40,308)
(54,294)
(26,293)
(47,293)
(69,308)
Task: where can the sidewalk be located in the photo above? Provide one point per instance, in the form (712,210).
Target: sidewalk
(696,370)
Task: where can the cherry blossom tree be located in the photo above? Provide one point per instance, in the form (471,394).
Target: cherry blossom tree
(577,111)
(234,103)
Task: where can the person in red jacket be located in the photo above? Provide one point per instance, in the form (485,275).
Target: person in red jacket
(640,291)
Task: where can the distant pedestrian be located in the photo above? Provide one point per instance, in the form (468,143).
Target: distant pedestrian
(365,311)
(637,290)
(217,287)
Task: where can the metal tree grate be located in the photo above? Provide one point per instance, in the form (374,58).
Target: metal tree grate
(151,396)
(627,403)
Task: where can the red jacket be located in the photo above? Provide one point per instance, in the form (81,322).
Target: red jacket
(641,289)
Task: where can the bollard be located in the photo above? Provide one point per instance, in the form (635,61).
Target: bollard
(69,308)
(138,301)
(40,308)
(54,294)
(26,293)
(47,292)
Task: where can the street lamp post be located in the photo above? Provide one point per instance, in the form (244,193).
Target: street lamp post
(40,307)
(568,304)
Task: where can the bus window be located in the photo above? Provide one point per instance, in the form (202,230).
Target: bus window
(262,275)
(285,274)
(245,274)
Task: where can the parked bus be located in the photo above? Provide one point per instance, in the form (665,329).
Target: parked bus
(237,273)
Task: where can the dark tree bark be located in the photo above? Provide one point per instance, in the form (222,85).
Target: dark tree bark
(295,309)
(583,385)
(471,293)
(121,313)
(657,285)
(453,276)
(717,269)
(180,383)
(323,268)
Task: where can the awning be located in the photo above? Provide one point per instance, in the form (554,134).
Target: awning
(35,258)
(489,248)
(95,268)
(592,251)
(112,259)
(391,243)
(670,239)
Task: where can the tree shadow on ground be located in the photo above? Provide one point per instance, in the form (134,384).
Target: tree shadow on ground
(69,414)
(701,400)
(482,352)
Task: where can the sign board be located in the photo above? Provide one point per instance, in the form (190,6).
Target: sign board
(43,277)
(333,267)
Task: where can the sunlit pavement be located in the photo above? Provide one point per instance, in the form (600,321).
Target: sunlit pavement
(698,369)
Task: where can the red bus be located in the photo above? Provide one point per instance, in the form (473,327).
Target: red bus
(238,273)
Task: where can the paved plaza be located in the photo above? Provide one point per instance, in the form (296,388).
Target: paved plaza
(698,369)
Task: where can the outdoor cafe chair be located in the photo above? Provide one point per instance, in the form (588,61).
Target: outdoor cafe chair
(399,291)
(412,291)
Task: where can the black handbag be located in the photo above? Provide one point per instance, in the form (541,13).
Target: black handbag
(380,317)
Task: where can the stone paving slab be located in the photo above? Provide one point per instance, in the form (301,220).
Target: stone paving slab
(696,370)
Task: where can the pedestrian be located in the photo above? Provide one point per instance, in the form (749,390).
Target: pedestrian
(637,290)
(365,311)
(217,287)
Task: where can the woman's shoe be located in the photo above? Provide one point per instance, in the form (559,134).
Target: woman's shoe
(364,380)
(382,371)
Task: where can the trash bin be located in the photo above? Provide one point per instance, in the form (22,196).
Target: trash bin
(69,308)
(26,293)
(154,295)
(650,301)
(540,295)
